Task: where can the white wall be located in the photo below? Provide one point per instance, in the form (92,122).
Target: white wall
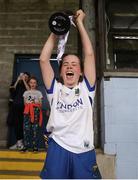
(120,124)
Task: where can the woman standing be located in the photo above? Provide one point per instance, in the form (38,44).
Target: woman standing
(17,89)
(71,153)
(32,115)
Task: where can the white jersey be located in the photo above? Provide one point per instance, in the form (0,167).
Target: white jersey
(71,118)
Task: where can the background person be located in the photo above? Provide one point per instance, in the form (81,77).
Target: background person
(17,89)
(32,115)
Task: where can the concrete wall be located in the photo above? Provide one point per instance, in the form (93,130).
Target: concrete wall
(23,30)
(120,124)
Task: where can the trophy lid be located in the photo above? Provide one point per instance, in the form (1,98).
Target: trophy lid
(59,23)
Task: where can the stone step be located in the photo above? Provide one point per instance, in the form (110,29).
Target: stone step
(22,155)
(21,165)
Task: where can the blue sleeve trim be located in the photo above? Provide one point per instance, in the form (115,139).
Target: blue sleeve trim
(50,91)
(90,88)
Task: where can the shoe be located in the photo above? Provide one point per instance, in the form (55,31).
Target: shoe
(13,147)
(24,149)
(35,149)
(20,144)
(20,147)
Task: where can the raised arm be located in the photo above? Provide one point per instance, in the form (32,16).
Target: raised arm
(88,52)
(46,69)
(25,83)
(15,84)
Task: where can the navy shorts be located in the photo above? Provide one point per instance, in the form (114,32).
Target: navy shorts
(63,164)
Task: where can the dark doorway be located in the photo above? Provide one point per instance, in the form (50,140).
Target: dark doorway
(30,64)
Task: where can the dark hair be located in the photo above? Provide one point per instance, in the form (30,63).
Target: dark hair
(61,63)
(33,77)
(27,73)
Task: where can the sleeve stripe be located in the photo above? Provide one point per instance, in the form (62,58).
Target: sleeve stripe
(90,88)
(50,91)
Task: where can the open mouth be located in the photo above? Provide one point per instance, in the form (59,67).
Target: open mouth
(69,74)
